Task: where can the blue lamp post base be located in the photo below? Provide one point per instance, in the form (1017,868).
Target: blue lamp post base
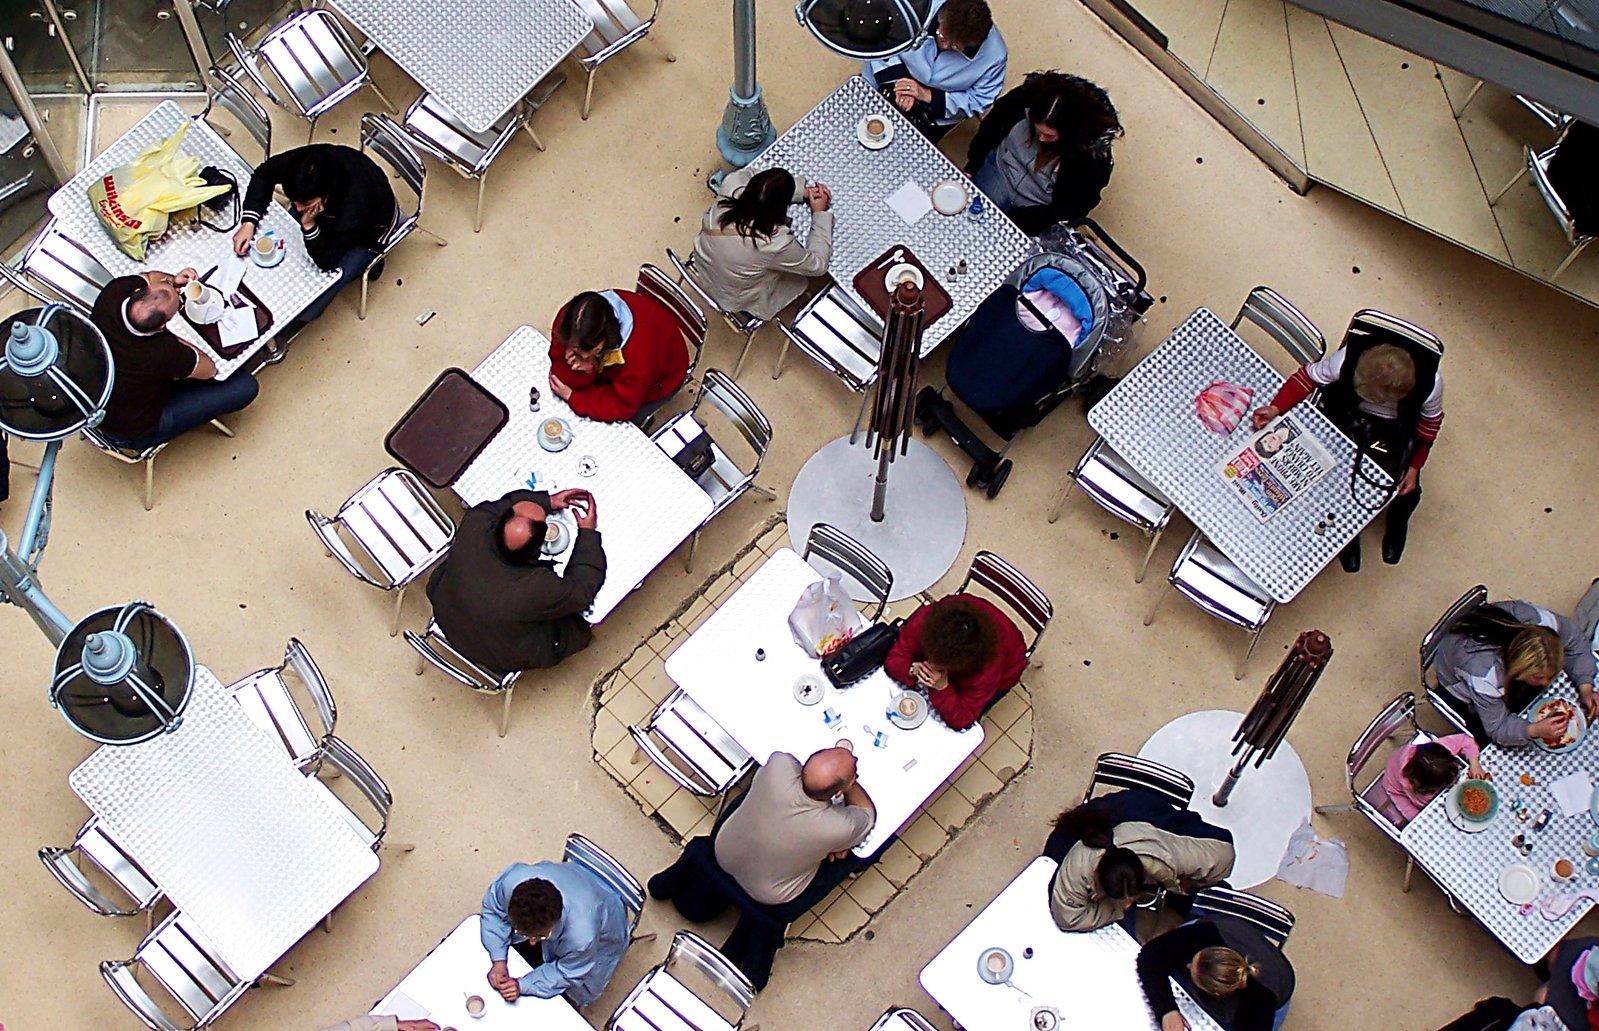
(746,129)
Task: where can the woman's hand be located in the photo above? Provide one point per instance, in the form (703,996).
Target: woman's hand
(929,676)
(1263,415)
(578,363)
(1407,482)
(1590,703)
(818,196)
(1173,1021)
(561,390)
(242,238)
(1550,726)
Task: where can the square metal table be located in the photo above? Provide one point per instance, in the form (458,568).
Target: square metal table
(253,851)
(647,505)
(458,966)
(481,57)
(822,147)
(1467,865)
(285,289)
(753,698)
(1090,977)
(1149,419)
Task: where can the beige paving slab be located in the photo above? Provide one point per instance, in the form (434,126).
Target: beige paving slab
(1190,27)
(1253,68)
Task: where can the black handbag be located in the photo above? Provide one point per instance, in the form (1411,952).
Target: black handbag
(858,657)
(228,204)
(695,457)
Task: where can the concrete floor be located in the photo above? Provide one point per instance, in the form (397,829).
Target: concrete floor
(227,555)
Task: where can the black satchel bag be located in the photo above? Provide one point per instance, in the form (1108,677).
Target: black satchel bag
(229,205)
(856,658)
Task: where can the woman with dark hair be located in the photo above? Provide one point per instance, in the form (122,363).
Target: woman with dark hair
(1499,658)
(1043,153)
(616,355)
(964,652)
(747,256)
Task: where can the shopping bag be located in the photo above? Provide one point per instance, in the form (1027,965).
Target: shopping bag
(1222,405)
(134,201)
(824,617)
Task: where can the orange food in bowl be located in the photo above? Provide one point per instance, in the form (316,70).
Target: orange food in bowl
(1475,801)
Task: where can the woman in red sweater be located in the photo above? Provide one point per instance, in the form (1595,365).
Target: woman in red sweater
(616,355)
(964,651)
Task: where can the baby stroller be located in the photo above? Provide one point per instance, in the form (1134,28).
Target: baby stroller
(1039,338)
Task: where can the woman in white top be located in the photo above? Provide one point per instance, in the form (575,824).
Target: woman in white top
(746,254)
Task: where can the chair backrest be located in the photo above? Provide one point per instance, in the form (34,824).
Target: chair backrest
(19,282)
(1462,606)
(438,131)
(396,523)
(1538,168)
(314,58)
(297,658)
(855,559)
(901,1019)
(719,391)
(1371,319)
(64,268)
(96,847)
(228,93)
(1011,586)
(612,874)
(1286,324)
(699,955)
(1206,577)
(439,653)
(176,956)
(1120,770)
(1273,920)
(833,332)
(391,145)
(360,774)
(1398,715)
(690,318)
(693,749)
(615,22)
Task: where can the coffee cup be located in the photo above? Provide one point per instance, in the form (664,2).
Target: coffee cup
(1590,846)
(203,303)
(475,1005)
(907,707)
(552,429)
(876,128)
(1563,869)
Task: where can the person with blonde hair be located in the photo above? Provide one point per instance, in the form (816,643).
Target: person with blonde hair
(1500,657)
(1229,967)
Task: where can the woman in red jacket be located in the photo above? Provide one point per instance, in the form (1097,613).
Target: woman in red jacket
(964,651)
(616,355)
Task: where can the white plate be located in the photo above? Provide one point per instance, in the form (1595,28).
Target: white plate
(869,143)
(949,196)
(1519,884)
(892,277)
(809,688)
(1579,721)
(1456,817)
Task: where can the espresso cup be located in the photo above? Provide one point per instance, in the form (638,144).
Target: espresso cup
(906,707)
(193,290)
(203,303)
(475,1005)
(1563,869)
(876,128)
(264,246)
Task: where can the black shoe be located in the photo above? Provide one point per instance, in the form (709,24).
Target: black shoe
(375,270)
(1393,543)
(1350,556)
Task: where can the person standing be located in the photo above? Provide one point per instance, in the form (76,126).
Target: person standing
(953,75)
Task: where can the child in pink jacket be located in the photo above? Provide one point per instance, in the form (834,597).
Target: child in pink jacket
(1417,773)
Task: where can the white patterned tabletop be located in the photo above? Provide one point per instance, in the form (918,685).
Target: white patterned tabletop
(821,147)
(285,289)
(1467,865)
(238,839)
(482,58)
(1090,977)
(647,505)
(1149,420)
(753,698)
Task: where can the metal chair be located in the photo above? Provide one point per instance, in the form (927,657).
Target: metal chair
(388,534)
(1120,770)
(740,322)
(832,331)
(1286,324)
(140,456)
(1106,478)
(1442,703)
(690,317)
(616,27)
(181,961)
(1011,587)
(1537,165)
(265,697)
(901,1019)
(447,139)
(616,877)
(314,61)
(62,266)
(854,559)
(662,1002)
(355,770)
(1275,921)
(392,147)
(722,481)
(1209,579)
(433,649)
(691,748)
(231,95)
(96,846)
(1373,321)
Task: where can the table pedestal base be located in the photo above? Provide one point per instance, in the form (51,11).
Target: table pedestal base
(921,535)
(1266,807)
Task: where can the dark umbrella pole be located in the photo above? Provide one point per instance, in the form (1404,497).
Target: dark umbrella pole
(893,396)
(1267,722)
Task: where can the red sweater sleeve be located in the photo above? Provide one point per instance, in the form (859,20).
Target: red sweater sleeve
(907,649)
(1295,390)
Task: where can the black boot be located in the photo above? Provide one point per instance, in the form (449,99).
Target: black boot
(1393,538)
(1350,556)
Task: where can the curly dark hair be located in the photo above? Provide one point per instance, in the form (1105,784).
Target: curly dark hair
(966,23)
(534,907)
(958,636)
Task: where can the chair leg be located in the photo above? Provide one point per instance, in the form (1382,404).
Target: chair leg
(327,924)
(220,428)
(1254,639)
(693,542)
(670,57)
(431,235)
(782,355)
(588,94)
(860,416)
(1155,608)
(505,712)
(149,483)
(1333,809)
(536,141)
(749,341)
(1506,188)
(477,217)
(647,936)
(419,663)
(286,982)
(311,132)
(1410,868)
(765,492)
(637,757)
(1060,500)
(399,603)
(366,277)
(381,98)
(1149,553)
(1470,96)
(1569,259)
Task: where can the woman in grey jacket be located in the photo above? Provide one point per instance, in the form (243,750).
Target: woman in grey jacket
(746,254)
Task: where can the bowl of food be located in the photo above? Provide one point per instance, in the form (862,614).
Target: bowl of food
(1576,724)
(1476,800)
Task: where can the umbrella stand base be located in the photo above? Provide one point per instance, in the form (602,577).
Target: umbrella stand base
(925,522)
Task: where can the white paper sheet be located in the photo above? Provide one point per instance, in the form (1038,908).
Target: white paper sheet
(403,1007)
(230,272)
(237,326)
(910,202)
(1572,792)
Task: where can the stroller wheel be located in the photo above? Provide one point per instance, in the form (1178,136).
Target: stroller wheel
(975,477)
(997,481)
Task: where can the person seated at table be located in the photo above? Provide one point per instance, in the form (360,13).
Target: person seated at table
(1042,154)
(1232,970)
(964,652)
(953,75)
(1117,859)
(499,601)
(163,387)
(747,256)
(616,355)
(345,207)
(1572,986)
(1500,657)
(1388,393)
(369,1023)
(1415,774)
(571,928)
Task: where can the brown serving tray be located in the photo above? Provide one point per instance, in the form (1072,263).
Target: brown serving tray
(212,333)
(446,428)
(869,284)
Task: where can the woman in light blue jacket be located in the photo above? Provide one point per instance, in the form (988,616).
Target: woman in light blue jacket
(955,74)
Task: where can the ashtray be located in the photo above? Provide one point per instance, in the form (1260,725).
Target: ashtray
(1044,1018)
(809,689)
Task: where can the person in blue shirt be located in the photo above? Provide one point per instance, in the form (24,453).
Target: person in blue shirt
(955,74)
(564,921)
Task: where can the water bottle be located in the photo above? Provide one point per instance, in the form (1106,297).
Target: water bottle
(977,208)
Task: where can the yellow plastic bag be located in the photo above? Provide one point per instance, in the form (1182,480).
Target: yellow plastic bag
(133,201)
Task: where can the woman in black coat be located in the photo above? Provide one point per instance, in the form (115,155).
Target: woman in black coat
(1042,153)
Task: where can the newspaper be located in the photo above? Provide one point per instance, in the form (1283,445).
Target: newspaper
(1278,464)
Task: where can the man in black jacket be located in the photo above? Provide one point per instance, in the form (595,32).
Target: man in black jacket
(345,207)
(499,601)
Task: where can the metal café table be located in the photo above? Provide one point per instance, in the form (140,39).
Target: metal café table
(753,698)
(822,147)
(647,506)
(1089,977)
(479,59)
(1149,420)
(436,990)
(1467,865)
(285,289)
(253,851)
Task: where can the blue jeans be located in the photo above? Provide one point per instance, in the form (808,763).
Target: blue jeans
(195,402)
(354,262)
(1282,1015)
(992,182)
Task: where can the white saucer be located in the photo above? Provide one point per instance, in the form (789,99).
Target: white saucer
(869,143)
(809,689)
(555,445)
(908,722)
(949,196)
(1519,884)
(558,536)
(1006,968)
(892,277)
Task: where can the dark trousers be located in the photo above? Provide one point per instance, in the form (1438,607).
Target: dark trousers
(354,262)
(195,402)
